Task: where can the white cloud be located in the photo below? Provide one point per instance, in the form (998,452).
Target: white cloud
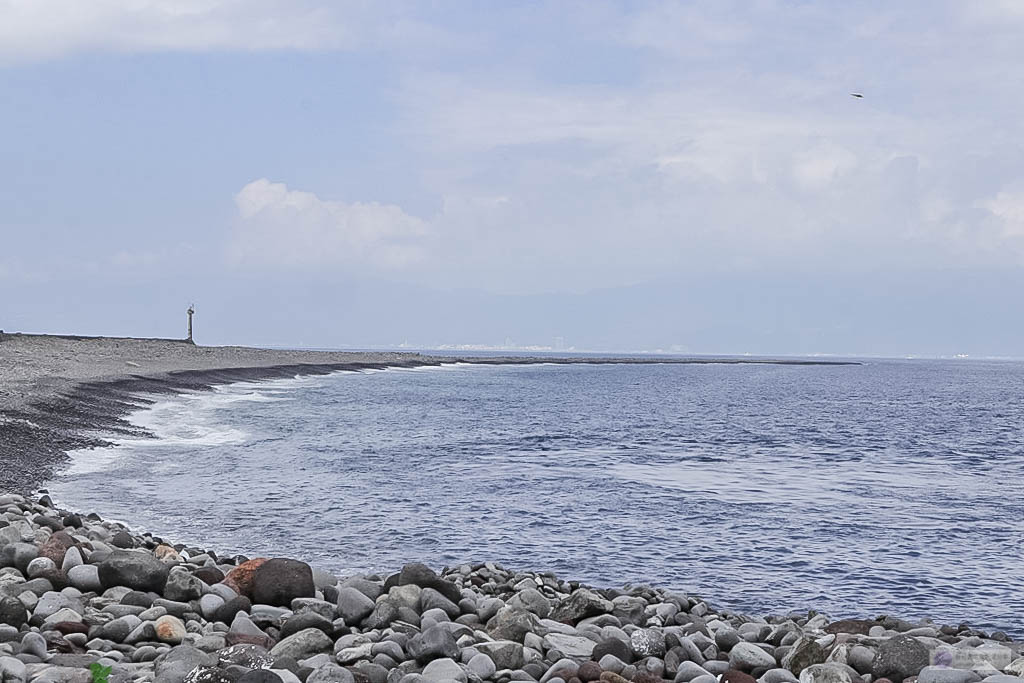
(820,166)
(279,227)
(654,137)
(41,29)
(1008,206)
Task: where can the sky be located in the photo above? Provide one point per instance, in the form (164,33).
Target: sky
(688,177)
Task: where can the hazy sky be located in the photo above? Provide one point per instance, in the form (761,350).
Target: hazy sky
(621,175)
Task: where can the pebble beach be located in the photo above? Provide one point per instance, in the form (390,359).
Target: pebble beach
(78,592)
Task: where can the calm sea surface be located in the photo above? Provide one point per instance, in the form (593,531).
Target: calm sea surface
(893,487)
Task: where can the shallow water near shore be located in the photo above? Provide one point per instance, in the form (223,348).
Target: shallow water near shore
(893,487)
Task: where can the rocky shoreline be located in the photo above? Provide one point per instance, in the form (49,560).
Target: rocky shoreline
(83,599)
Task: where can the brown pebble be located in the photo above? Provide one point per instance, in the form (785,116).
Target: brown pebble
(166,553)
(589,671)
(612,677)
(56,546)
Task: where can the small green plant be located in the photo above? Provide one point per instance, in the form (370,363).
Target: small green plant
(99,672)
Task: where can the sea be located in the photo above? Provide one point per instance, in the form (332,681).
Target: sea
(890,487)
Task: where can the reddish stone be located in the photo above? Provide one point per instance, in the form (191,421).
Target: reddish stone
(231,638)
(56,546)
(589,671)
(166,553)
(734,676)
(241,577)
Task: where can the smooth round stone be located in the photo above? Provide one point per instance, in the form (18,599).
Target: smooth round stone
(137,570)
(209,604)
(747,657)
(278,581)
(34,644)
(127,596)
(40,566)
(223,590)
(303,644)
(829,673)
(64,614)
(181,586)
(389,648)
(12,669)
(211,643)
(613,664)
(85,577)
(330,673)
(77,638)
(169,629)
(118,629)
(481,665)
(778,676)
(689,671)
(444,670)
(436,615)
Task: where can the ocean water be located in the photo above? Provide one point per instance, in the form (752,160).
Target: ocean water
(893,487)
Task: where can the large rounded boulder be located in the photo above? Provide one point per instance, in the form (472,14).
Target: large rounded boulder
(278,581)
(136,570)
(899,657)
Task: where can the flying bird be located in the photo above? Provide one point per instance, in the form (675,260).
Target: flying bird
(857,95)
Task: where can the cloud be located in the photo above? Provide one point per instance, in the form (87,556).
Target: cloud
(591,145)
(1008,207)
(282,228)
(618,184)
(42,29)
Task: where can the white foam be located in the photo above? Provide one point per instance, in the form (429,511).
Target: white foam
(88,460)
(189,419)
